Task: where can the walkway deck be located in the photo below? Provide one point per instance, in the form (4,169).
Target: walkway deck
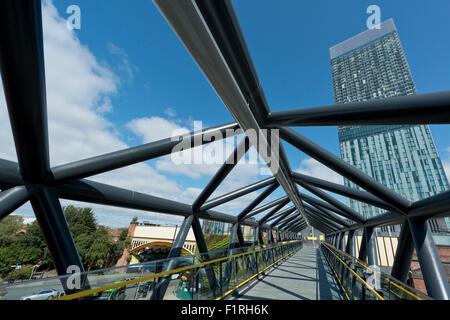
(304,276)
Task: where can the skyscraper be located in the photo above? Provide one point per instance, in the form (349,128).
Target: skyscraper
(372,65)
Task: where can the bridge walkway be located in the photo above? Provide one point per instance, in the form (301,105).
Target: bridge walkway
(304,276)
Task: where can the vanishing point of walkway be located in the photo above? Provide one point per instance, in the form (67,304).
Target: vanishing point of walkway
(303,276)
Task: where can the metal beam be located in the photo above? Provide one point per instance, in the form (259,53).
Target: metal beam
(290,219)
(428,108)
(283,215)
(10,175)
(403,254)
(323,222)
(349,212)
(23,74)
(322,205)
(362,255)
(325,213)
(430,263)
(118,159)
(203,249)
(260,198)
(351,243)
(279,214)
(12,199)
(371,245)
(56,233)
(359,195)
(96,192)
(433,207)
(273,211)
(240,236)
(286,215)
(238,193)
(222,173)
(325,219)
(268,205)
(340,166)
(203,37)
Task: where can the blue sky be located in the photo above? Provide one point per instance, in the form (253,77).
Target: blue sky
(144,78)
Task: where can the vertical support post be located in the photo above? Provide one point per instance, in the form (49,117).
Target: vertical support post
(270,237)
(403,255)
(340,240)
(203,249)
(430,262)
(351,247)
(257,231)
(363,248)
(23,74)
(371,245)
(261,239)
(240,236)
(175,251)
(56,233)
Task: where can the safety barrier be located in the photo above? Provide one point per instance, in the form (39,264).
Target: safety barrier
(205,276)
(193,281)
(361,282)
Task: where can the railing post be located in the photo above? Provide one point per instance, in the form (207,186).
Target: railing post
(430,262)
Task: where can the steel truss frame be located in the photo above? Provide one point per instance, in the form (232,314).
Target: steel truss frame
(211,33)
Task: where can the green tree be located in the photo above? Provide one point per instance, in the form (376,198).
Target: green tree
(94,243)
(9,226)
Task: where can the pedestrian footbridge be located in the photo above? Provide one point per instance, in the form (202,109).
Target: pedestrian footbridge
(276,267)
(283,271)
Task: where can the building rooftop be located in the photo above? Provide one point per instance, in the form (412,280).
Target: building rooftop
(362,39)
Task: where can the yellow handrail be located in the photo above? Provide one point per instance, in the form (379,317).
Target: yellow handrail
(157,275)
(368,268)
(245,281)
(359,278)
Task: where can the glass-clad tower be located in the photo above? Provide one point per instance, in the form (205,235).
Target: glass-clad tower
(372,65)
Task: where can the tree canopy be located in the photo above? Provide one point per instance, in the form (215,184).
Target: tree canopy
(94,243)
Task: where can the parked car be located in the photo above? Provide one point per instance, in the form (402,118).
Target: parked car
(44,294)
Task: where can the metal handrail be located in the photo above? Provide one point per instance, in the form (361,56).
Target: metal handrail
(357,275)
(405,288)
(161,274)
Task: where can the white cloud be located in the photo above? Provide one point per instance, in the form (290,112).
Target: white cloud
(170,112)
(79,95)
(315,169)
(79,92)
(124,66)
(155,128)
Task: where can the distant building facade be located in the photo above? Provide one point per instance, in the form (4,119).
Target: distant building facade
(159,238)
(372,65)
